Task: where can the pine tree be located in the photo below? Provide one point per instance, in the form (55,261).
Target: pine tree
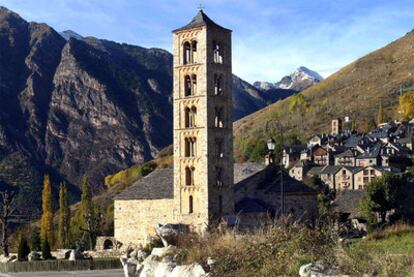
(23,249)
(380,115)
(63,217)
(46,254)
(88,214)
(46,223)
(35,242)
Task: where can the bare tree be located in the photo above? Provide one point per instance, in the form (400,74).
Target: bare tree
(7,210)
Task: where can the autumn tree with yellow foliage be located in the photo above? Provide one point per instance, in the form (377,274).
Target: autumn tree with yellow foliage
(406,107)
(46,223)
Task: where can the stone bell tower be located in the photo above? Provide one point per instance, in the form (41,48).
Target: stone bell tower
(203,133)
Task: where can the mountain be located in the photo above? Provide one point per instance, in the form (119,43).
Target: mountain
(300,79)
(70,34)
(77,107)
(356,91)
(73,105)
(248,99)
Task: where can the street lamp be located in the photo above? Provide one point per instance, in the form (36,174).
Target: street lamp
(271,147)
(271,144)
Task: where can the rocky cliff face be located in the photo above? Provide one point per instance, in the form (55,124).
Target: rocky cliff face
(76,107)
(71,105)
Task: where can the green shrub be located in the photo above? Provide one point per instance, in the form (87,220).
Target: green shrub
(23,250)
(147,168)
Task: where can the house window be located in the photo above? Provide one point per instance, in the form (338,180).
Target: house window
(366,180)
(190,147)
(344,172)
(217,52)
(372,172)
(189,176)
(366,172)
(190,205)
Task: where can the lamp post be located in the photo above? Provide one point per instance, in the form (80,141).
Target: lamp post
(271,147)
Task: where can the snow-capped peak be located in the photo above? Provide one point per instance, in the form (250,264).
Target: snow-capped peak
(300,79)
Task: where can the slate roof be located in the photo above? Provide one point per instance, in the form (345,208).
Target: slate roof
(268,180)
(347,153)
(315,171)
(201,19)
(295,149)
(157,185)
(347,201)
(331,169)
(160,184)
(373,152)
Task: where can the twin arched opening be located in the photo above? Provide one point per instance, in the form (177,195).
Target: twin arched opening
(190,85)
(190,115)
(190,52)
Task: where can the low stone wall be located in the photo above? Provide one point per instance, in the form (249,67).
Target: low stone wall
(60,265)
(134,220)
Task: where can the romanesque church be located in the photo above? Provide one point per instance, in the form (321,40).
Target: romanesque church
(204,185)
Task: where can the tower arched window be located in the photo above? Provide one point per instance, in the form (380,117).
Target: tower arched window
(219,148)
(219,118)
(220,203)
(193,84)
(218,89)
(189,176)
(186,53)
(193,115)
(187,86)
(194,51)
(190,204)
(190,117)
(219,176)
(190,147)
(217,52)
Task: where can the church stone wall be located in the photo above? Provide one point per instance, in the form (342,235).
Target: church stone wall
(135,219)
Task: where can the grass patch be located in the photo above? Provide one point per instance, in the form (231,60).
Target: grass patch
(384,253)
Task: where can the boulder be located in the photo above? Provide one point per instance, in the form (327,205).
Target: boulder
(169,233)
(163,251)
(317,269)
(192,270)
(141,255)
(131,266)
(34,256)
(154,268)
(12,258)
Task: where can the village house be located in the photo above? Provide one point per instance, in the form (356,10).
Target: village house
(346,158)
(365,175)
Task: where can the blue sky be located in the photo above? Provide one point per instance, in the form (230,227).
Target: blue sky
(270,38)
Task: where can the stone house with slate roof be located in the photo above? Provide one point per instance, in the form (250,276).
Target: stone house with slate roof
(204,187)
